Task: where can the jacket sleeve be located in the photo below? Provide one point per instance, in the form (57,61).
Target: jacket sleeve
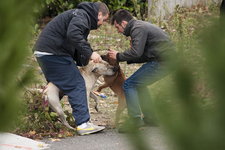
(75,34)
(138,41)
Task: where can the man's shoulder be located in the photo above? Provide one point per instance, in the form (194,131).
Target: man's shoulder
(73,13)
(140,25)
(145,25)
(80,13)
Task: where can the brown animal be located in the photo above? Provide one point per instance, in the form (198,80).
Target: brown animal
(115,83)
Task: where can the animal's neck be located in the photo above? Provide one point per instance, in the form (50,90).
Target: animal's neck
(89,77)
(94,76)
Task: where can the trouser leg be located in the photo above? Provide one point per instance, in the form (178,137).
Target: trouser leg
(146,105)
(144,76)
(63,72)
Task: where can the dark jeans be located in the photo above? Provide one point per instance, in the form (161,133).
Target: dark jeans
(136,91)
(63,72)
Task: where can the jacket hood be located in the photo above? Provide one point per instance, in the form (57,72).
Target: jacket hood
(92,10)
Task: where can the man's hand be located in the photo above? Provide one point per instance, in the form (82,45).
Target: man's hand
(96,57)
(112,54)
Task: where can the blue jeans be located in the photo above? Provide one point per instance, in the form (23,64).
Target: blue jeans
(136,90)
(63,72)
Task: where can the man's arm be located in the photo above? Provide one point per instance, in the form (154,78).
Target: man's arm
(75,33)
(138,40)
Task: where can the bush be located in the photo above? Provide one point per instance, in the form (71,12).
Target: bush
(38,120)
(15,27)
(52,8)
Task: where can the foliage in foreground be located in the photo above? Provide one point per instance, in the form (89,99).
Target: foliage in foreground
(189,121)
(15,31)
(191,118)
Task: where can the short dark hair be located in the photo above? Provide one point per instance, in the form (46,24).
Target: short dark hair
(103,8)
(121,15)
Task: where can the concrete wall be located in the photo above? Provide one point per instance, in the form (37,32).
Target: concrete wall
(162,8)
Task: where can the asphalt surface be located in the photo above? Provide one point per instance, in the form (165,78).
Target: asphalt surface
(109,140)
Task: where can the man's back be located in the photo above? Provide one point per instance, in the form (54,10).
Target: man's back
(146,38)
(54,34)
(67,33)
(154,32)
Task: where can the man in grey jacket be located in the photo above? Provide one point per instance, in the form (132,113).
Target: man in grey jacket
(62,46)
(149,45)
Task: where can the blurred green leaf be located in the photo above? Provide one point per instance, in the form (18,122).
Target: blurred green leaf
(15,28)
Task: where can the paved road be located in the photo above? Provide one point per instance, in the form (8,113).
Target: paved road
(108,140)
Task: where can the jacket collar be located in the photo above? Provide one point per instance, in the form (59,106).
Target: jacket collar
(128,27)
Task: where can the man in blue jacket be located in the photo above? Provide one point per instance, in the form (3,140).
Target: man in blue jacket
(62,46)
(149,45)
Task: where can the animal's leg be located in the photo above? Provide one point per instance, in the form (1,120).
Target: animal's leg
(92,95)
(99,82)
(52,93)
(121,106)
(102,87)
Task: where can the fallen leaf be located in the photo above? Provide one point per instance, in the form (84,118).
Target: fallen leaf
(32,132)
(40,145)
(55,140)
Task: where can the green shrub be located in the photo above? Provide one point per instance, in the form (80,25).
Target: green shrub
(191,120)
(15,27)
(189,104)
(52,8)
(38,120)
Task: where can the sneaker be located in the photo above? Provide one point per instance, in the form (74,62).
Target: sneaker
(88,128)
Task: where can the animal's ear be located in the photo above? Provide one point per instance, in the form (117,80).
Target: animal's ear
(104,57)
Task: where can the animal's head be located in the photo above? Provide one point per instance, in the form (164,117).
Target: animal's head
(101,68)
(111,61)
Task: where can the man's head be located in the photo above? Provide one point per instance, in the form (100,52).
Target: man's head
(120,19)
(103,13)
(97,11)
